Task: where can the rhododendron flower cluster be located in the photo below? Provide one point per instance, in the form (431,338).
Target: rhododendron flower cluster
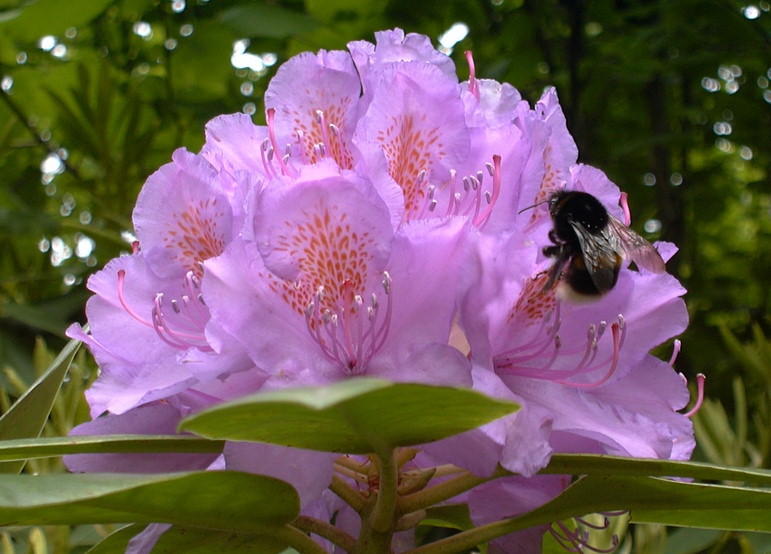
(377,226)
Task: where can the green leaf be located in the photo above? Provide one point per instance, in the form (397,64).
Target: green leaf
(49,17)
(199,541)
(452,516)
(44,447)
(210,499)
(353,416)
(116,542)
(192,541)
(656,500)
(649,500)
(257,19)
(592,464)
(26,418)
(190,61)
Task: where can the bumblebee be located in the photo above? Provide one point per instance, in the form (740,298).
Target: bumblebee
(590,245)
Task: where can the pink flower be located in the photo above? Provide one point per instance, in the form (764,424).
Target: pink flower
(387,221)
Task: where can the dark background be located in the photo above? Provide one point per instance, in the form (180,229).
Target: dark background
(670,98)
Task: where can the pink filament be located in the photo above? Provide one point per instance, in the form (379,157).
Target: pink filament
(175,338)
(271,118)
(480,220)
(675,351)
(351,333)
(622,201)
(700,381)
(510,362)
(578,540)
(473,86)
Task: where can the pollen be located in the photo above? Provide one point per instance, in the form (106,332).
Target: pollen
(553,180)
(331,254)
(410,147)
(194,236)
(533,303)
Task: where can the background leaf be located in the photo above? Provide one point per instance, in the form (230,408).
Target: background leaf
(28,415)
(49,17)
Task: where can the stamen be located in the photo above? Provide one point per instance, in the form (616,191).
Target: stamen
(271,119)
(473,86)
(321,120)
(622,201)
(124,303)
(700,381)
(189,317)
(578,540)
(135,247)
(350,333)
(675,352)
(514,361)
(484,217)
(266,155)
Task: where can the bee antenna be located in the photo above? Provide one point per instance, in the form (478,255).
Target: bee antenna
(532,206)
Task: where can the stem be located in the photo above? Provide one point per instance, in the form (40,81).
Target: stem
(352,464)
(379,519)
(353,474)
(441,492)
(349,495)
(447,469)
(298,540)
(382,517)
(326,530)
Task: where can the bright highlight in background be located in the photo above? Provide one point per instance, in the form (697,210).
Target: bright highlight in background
(452,36)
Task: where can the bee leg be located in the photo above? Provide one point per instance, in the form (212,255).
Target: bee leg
(555,271)
(554,237)
(553,251)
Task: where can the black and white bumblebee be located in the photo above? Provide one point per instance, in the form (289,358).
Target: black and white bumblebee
(590,246)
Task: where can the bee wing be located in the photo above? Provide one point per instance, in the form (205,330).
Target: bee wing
(601,256)
(632,246)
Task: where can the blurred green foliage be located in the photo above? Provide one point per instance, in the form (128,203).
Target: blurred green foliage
(671,99)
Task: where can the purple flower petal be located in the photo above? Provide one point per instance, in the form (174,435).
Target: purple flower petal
(308,471)
(322,111)
(150,419)
(181,218)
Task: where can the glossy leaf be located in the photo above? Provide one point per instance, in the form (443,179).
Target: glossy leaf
(212,499)
(200,541)
(593,464)
(29,413)
(44,447)
(649,499)
(116,542)
(354,416)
